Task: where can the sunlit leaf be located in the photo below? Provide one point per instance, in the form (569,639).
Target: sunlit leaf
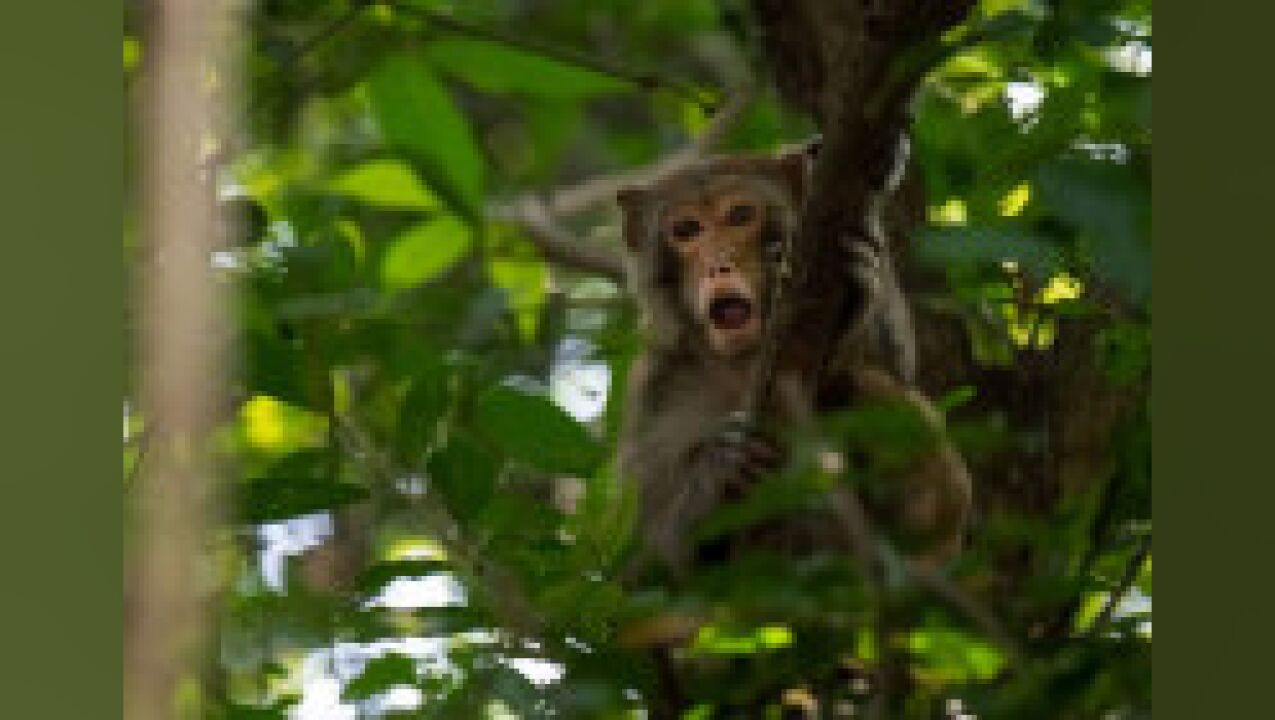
(1015,200)
(385,183)
(1144,578)
(951,212)
(425,250)
(953,656)
(715,640)
(1061,287)
(275,426)
(524,281)
(132,54)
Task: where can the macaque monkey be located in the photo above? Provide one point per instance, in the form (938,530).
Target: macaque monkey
(703,246)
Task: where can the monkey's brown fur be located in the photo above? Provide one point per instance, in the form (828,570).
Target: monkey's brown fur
(702,246)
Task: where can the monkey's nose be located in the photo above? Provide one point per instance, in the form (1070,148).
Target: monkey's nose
(719,269)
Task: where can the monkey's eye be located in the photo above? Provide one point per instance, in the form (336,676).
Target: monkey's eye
(740,215)
(686,229)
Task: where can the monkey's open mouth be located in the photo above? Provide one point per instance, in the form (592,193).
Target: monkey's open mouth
(730,312)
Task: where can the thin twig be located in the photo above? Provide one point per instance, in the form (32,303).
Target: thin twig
(559,245)
(975,611)
(500,587)
(642,80)
(1130,576)
(578,198)
(292,57)
(322,35)
(539,215)
(853,518)
(599,190)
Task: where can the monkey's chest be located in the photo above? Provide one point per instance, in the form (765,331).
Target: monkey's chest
(713,394)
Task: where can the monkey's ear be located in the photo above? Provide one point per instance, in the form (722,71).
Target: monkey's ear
(632,202)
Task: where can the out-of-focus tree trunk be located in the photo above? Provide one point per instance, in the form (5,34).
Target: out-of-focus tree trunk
(171,574)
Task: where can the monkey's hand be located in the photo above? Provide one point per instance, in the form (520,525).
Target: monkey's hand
(738,455)
(720,468)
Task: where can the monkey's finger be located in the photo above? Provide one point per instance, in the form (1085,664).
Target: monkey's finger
(735,488)
(749,473)
(764,454)
(729,456)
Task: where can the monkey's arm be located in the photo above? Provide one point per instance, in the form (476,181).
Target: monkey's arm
(684,461)
(925,502)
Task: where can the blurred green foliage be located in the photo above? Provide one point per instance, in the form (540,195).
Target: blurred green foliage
(405,353)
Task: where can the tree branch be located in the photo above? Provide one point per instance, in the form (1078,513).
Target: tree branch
(321,35)
(873,555)
(538,215)
(851,55)
(642,80)
(559,245)
(600,190)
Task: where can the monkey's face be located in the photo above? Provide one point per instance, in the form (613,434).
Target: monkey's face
(700,242)
(717,237)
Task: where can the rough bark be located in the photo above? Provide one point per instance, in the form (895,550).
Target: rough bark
(853,66)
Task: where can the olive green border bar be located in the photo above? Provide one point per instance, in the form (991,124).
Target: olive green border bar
(1214,493)
(61,132)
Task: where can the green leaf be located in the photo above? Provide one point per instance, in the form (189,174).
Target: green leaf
(270,499)
(385,183)
(1105,203)
(498,68)
(423,406)
(424,251)
(380,675)
(950,655)
(418,118)
(376,576)
(464,473)
(453,619)
(1144,577)
(524,281)
(956,398)
(988,245)
(533,429)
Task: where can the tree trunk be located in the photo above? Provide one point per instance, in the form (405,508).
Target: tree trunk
(846,64)
(171,575)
